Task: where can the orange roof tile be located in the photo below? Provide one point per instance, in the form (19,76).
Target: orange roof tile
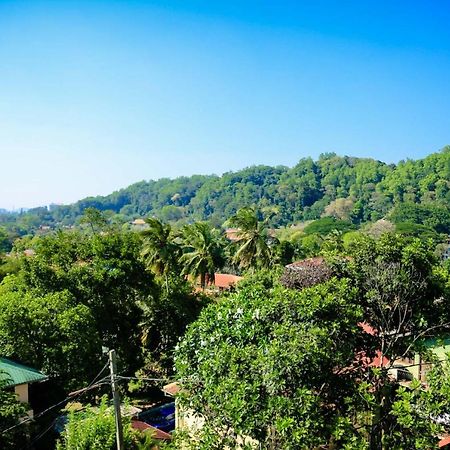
(225,280)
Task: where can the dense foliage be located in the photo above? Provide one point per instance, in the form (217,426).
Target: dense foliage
(258,359)
(289,365)
(347,188)
(309,367)
(94,428)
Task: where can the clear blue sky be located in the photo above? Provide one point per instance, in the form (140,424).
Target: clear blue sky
(97,95)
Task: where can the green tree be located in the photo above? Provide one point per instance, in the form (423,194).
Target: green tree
(253,249)
(94,218)
(326,225)
(164,319)
(267,364)
(160,249)
(102,271)
(203,251)
(5,243)
(51,332)
(310,368)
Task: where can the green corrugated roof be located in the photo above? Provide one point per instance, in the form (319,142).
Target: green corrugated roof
(15,373)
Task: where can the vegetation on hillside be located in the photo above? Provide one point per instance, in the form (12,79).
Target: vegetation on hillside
(357,190)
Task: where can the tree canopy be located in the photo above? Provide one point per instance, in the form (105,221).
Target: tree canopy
(309,367)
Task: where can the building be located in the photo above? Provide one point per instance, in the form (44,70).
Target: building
(139,224)
(225,281)
(19,377)
(419,367)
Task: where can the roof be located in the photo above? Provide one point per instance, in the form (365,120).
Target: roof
(225,280)
(138,222)
(444,441)
(171,388)
(15,373)
(145,427)
(309,262)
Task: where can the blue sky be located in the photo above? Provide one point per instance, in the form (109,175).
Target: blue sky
(98,95)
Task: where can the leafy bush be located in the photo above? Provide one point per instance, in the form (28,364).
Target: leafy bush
(95,429)
(326,225)
(11,411)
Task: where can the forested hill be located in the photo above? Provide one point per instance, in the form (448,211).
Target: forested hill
(356,189)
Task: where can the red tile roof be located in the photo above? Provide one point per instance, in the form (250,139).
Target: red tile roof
(225,280)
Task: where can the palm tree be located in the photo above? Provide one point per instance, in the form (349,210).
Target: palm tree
(203,251)
(160,250)
(253,240)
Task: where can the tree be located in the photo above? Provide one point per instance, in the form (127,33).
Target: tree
(326,225)
(203,252)
(285,252)
(405,302)
(340,208)
(267,364)
(94,218)
(253,249)
(51,332)
(5,242)
(11,411)
(103,272)
(164,319)
(160,250)
(310,368)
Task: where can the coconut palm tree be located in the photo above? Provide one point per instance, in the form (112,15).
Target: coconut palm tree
(160,250)
(203,251)
(253,240)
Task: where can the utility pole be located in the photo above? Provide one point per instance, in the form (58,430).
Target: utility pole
(116,399)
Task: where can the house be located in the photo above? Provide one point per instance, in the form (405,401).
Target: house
(222,282)
(19,377)
(184,419)
(139,224)
(225,281)
(420,367)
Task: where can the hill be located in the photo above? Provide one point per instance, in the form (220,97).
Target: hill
(355,189)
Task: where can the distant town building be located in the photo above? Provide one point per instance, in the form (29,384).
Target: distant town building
(139,224)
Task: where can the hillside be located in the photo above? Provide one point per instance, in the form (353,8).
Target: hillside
(355,189)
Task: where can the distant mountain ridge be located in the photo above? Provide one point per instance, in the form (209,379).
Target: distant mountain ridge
(351,188)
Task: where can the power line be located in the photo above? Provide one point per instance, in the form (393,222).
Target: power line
(76,395)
